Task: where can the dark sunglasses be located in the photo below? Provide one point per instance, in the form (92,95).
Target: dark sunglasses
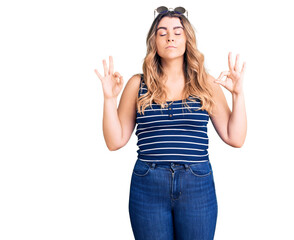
(178,10)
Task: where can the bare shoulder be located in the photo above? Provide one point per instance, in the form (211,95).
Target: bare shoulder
(210,78)
(215,87)
(133,83)
(131,89)
(218,94)
(221,111)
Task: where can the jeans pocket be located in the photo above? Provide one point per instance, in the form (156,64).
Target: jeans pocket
(201,169)
(141,168)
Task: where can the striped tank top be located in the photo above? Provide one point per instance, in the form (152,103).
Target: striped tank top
(172,134)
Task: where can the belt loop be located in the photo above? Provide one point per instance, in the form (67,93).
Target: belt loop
(186,166)
(153,165)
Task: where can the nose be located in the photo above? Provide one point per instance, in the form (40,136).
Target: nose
(170,38)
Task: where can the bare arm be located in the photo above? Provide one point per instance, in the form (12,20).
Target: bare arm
(230,126)
(237,128)
(127,109)
(118,123)
(112,130)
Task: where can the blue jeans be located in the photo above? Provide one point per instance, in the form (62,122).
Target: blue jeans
(172,201)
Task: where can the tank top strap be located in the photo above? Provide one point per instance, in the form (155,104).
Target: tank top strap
(141,86)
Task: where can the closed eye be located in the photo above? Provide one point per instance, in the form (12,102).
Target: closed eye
(165,34)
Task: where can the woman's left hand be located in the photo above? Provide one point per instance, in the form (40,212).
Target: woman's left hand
(234,77)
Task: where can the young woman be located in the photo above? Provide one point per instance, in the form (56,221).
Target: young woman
(172,192)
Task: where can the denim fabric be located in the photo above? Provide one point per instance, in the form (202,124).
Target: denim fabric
(173,201)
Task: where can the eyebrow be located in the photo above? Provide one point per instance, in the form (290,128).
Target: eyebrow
(166,28)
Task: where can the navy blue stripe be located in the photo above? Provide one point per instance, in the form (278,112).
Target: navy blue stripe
(174,133)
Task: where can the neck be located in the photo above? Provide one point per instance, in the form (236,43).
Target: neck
(173,69)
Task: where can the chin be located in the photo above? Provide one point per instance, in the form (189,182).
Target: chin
(171,56)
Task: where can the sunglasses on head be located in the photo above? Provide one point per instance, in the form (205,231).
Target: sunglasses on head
(178,10)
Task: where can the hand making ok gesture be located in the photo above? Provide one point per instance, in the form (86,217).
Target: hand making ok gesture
(234,77)
(112,83)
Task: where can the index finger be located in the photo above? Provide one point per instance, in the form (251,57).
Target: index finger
(110,65)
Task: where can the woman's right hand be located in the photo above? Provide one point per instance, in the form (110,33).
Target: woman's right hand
(112,83)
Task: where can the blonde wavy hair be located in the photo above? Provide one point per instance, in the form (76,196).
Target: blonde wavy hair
(196,84)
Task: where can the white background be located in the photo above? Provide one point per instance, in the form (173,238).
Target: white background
(58,180)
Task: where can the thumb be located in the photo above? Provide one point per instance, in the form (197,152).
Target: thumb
(121,81)
(116,75)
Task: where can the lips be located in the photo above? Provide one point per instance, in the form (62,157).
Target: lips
(171,47)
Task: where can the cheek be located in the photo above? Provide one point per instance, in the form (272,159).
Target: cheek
(183,44)
(183,41)
(159,42)
(159,45)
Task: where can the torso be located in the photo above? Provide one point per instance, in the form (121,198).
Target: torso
(176,133)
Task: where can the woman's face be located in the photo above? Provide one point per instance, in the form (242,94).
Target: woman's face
(170,38)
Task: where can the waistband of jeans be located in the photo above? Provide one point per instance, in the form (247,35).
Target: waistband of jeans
(174,165)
